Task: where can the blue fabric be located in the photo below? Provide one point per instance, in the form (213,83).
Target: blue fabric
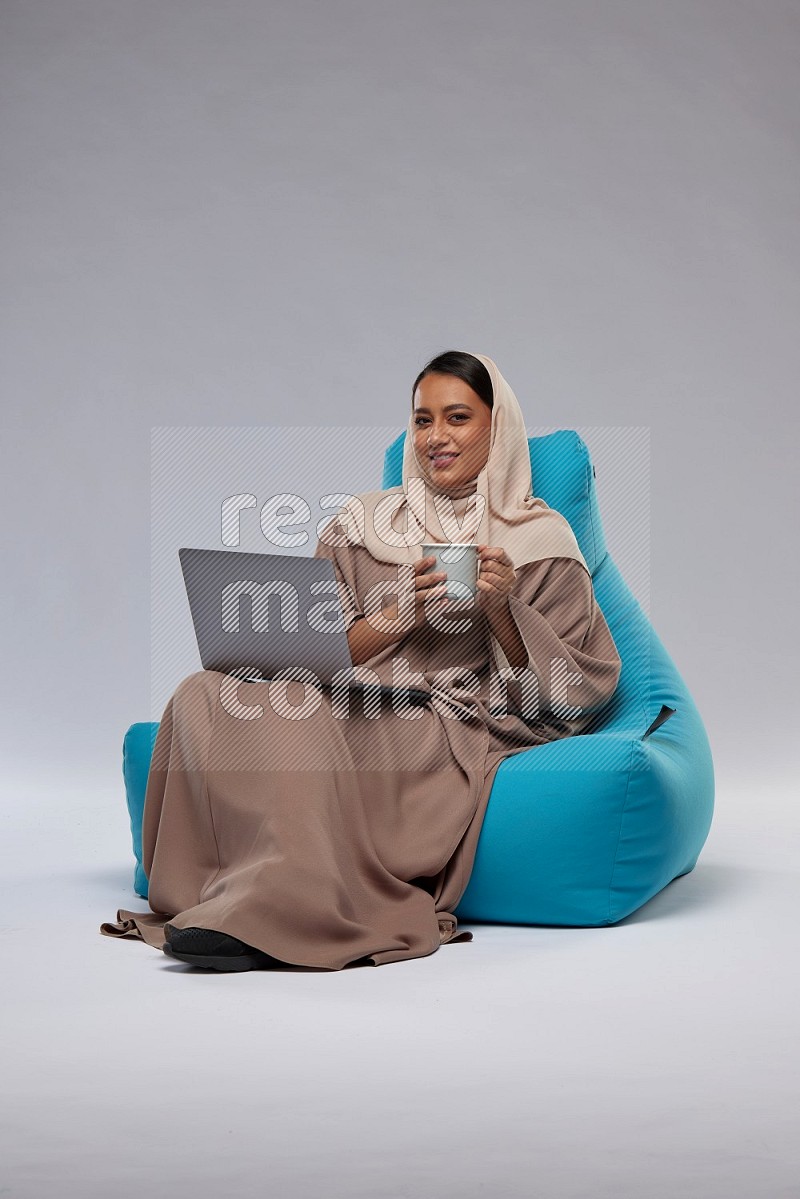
(585,830)
(137,750)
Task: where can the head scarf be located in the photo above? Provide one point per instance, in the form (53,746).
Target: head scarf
(393,524)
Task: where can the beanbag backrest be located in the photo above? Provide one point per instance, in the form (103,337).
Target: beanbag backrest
(586,829)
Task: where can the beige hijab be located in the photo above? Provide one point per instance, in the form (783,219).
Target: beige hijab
(392,524)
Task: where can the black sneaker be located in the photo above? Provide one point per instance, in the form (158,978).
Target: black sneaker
(211,950)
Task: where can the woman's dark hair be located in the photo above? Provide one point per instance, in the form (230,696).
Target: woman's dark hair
(463,366)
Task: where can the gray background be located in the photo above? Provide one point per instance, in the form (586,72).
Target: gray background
(259,214)
(256,213)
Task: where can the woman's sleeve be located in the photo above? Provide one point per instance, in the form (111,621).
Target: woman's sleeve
(343,559)
(570,648)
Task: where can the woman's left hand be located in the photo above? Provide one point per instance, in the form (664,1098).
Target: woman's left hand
(496,576)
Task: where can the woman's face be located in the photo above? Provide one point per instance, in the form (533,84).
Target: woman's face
(452,430)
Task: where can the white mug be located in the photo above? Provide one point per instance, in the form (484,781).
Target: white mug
(458,559)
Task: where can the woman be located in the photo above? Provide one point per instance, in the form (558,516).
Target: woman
(327,842)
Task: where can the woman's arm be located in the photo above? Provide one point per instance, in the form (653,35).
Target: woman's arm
(566,639)
(567,644)
(503,626)
(428,588)
(365,641)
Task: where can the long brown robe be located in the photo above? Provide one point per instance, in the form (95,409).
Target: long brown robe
(327,841)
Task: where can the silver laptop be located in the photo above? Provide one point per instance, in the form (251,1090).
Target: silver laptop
(260,613)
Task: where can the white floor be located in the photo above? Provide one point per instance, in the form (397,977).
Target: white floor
(654,1059)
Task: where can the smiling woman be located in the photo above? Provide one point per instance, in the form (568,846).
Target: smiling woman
(325,842)
(452,418)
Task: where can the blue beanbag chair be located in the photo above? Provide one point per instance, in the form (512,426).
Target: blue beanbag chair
(585,830)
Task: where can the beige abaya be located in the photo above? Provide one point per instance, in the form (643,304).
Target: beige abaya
(327,841)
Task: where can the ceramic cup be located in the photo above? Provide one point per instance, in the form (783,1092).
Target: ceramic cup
(458,559)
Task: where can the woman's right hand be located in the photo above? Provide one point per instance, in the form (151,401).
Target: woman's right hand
(425,585)
(365,641)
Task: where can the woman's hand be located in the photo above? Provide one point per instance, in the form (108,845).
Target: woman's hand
(424,586)
(495,584)
(366,641)
(496,576)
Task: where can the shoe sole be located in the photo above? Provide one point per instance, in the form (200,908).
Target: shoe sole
(226,964)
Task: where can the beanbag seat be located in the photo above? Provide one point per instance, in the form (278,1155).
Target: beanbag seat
(583,831)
